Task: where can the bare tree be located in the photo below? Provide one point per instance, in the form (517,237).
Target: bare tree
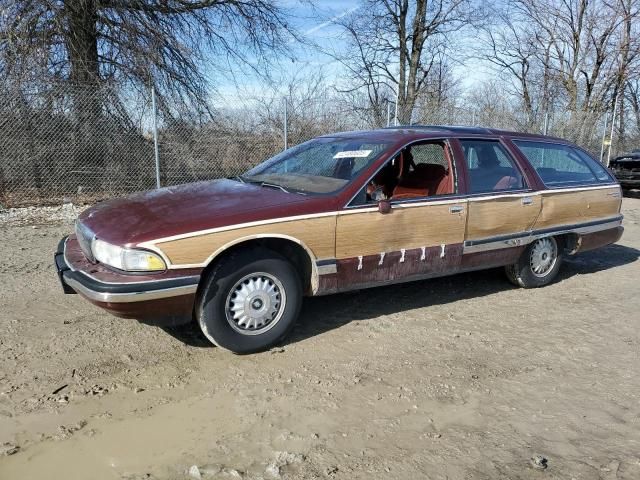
(313,107)
(512,46)
(394,46)
(173,44)
(633,99)
(437,101)
(582,50)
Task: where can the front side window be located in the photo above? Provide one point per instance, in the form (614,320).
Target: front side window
(419,170)
(562,165)
(490,167)
(322,165)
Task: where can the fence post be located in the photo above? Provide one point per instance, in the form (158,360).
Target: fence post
(388,113)
(604,136)
(613,122)
(546,123)
(286,125)
(155,135)
(395,122)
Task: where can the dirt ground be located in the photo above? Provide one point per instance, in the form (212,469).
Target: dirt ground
(464,377)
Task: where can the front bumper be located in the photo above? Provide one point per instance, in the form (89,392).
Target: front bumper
(128,295)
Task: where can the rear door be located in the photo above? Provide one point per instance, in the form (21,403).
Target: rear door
(501,205)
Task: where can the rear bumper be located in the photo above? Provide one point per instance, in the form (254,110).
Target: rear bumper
(629,183)
(628,180)
(125,295)
(595,240)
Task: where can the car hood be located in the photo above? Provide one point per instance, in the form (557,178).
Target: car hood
(187,208)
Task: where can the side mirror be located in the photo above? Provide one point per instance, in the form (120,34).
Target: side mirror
(384,206)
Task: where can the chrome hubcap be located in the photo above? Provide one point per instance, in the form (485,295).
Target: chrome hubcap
(543,256)
(255,303)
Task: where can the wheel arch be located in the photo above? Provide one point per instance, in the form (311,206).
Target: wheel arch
(290,247)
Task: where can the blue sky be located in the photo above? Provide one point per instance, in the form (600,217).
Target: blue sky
(316,24)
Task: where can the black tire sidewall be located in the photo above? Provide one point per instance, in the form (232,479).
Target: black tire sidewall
(525,275)
(211,311)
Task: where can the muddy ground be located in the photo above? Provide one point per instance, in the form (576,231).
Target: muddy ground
(465,377)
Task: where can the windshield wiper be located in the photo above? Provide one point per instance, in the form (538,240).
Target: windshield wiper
(274,185)
(268,184)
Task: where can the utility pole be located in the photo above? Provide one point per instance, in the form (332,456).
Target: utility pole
(286,125)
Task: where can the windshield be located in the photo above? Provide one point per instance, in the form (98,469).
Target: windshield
(322,165)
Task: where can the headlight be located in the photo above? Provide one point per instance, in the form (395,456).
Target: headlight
(127,259)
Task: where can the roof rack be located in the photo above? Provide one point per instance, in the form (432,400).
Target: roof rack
(440,128)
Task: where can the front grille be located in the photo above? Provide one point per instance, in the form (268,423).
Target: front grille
(85,237)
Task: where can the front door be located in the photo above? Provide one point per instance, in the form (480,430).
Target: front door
(422,235)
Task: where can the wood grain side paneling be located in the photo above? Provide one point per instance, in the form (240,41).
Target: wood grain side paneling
(370,233)
(318,234)
(396,267)
(501,216)
(568,208)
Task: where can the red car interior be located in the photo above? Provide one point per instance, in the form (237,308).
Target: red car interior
(424,179)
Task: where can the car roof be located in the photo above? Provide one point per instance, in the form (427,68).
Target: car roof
(417,132)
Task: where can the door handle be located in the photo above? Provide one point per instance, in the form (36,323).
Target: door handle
(614,194)
(527,201)
(456,209)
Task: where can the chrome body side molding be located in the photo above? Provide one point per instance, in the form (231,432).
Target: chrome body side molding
(524,238)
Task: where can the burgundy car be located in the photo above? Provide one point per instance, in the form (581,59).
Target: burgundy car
(340,212)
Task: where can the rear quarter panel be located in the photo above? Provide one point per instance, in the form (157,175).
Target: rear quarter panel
(578,205)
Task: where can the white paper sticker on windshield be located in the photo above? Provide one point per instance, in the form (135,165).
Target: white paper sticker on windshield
(353,154)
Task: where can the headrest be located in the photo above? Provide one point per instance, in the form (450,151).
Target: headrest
(432,170)
(487,156)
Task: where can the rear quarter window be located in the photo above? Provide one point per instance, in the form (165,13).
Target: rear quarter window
(562,165)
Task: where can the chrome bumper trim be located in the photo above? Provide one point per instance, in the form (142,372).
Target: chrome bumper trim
(78,281)
(141,296)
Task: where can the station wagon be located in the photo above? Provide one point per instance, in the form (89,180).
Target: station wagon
(345,211)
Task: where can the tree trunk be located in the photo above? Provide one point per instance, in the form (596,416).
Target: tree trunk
(415,58)
(402,65)
(82,40)
(82,50)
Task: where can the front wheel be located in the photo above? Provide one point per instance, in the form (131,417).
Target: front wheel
(538,265)
(250,301)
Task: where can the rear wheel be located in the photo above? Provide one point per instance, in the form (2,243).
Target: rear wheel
(250,301)
(538,265)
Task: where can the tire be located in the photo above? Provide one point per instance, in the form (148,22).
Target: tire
(250,301)
(538,265)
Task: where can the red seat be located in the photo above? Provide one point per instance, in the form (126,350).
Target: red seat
(507,182)
(426,179)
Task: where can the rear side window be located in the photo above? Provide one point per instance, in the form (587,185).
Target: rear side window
(429,153)
(490,167)
(562,165)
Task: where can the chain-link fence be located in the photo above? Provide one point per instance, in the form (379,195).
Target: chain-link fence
(72,144)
